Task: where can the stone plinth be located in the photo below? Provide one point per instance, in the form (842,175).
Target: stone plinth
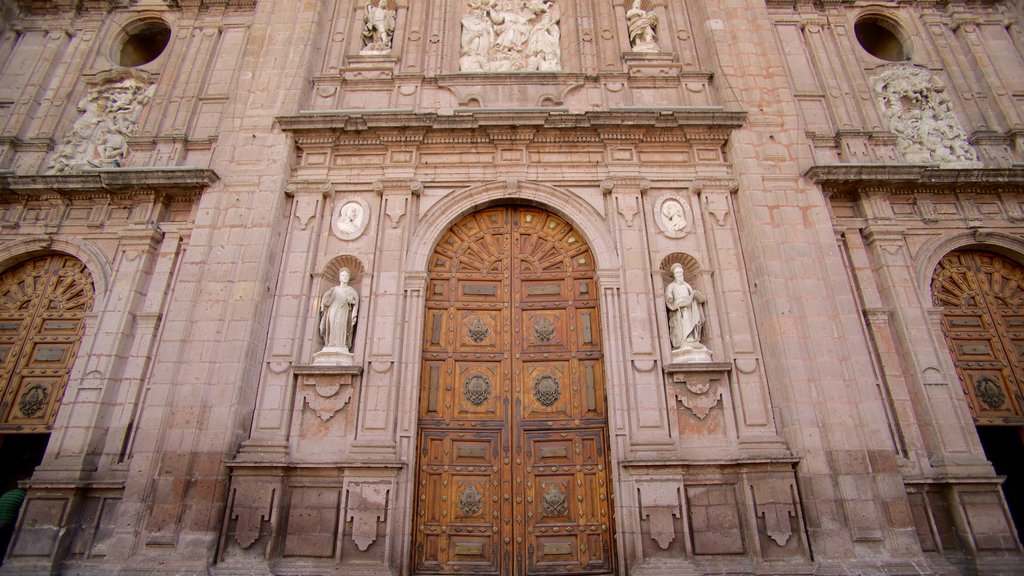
(698,385)
(326,388)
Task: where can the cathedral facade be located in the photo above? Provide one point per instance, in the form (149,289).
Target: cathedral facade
(582,287)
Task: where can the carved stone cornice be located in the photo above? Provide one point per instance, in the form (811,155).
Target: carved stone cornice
(637,184)
(120,183)
(842,179)
(715,185)
(642,124)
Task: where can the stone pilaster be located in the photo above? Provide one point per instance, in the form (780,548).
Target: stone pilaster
(648,421)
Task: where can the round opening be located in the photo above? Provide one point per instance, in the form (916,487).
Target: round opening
(880,38)
(144,43)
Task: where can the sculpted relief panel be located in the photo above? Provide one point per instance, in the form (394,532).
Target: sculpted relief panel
(920,113)
(99,138)
(510,36)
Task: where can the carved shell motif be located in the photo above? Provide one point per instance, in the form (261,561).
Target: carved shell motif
(555,501)
(477,330)
(990,392)
(476,389)
(546,389)
(471,501)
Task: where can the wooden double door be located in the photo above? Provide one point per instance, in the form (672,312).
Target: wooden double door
(512,463)
(982,299)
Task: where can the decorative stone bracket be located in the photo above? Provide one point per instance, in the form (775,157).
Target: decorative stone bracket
(366,507)
(698,386)
(774,502)
(327,389)
(660,507)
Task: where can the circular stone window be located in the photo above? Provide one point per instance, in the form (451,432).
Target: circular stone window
(881,38)
(143,42)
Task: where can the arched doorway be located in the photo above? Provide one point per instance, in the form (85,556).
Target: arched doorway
(43,302)
(982,299)
(512,472)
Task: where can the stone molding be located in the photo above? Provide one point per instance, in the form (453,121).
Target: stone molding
(913,179)
(184,182)
(706,122)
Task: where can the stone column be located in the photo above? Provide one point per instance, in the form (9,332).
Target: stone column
(378,399)
(941,413)
(268,438)
(646,400)
(755,420)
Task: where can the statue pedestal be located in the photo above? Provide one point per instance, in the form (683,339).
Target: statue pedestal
(691,352)
(326,389)
(332,356)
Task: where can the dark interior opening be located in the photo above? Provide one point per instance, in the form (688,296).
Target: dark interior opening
(145,44)
(1004,447)
(20,454)
(878,39)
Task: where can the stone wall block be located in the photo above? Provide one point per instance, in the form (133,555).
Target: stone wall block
(714,519)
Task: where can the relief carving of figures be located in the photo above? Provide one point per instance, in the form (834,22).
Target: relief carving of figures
(99,138)
(510,35)
(685,319)
(919,112)
(477,37)
(378,27)
(339,309)
(642,28)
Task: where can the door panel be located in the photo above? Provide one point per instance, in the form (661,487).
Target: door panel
(512,475)
(982,296)
(43,303)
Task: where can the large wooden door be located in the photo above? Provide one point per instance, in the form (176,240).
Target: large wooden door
(512,471)
(43,303)
(982,300)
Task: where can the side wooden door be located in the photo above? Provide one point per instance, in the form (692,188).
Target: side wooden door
(512,470)
(982,300)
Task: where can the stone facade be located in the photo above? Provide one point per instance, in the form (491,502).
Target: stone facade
(806,180)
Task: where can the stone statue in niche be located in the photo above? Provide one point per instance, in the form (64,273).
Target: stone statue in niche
(685,319)
(339,309)
(99,138)
(919,112)
(642,28)
(378,27)
(510,36)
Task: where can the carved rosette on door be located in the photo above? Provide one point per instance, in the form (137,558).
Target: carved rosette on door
(512,476)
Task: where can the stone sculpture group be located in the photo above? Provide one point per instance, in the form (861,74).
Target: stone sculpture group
(99,138)
(920,113)
(510,36)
